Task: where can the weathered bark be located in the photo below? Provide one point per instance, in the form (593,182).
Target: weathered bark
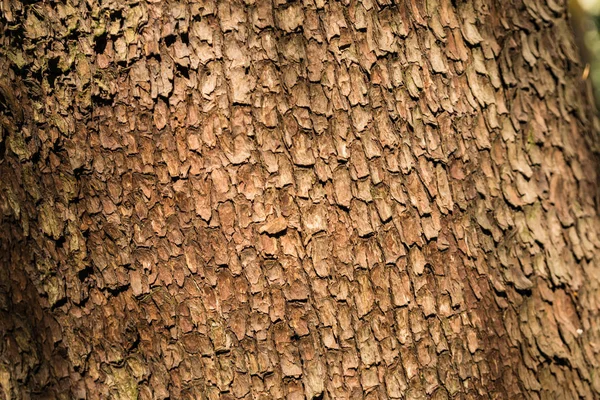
(263,199)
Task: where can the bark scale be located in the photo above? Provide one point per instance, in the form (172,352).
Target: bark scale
(320,199)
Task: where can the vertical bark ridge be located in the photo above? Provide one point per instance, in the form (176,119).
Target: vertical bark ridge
(318,199)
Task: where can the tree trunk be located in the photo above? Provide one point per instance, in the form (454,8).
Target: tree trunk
(259,199)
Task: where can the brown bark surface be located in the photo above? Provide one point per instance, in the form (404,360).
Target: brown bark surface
(313,199)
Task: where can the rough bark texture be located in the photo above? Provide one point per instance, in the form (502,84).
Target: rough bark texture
(319,199)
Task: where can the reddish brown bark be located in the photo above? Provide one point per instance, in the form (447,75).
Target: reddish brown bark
(318,199)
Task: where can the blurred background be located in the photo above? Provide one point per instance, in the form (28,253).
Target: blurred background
(586,24)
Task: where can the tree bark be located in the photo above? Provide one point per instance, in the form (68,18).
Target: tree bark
(259,199)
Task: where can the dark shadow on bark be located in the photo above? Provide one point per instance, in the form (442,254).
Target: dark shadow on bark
(33,361)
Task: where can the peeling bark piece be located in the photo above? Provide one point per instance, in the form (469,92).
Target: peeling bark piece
(314,219)
(302,150)
(469,28)
(160,115)
(50,222)
(342,187)
(444,198)
(535,222)
(275,226)
(417,260)
(418,196)
(359,213)
(391,246)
